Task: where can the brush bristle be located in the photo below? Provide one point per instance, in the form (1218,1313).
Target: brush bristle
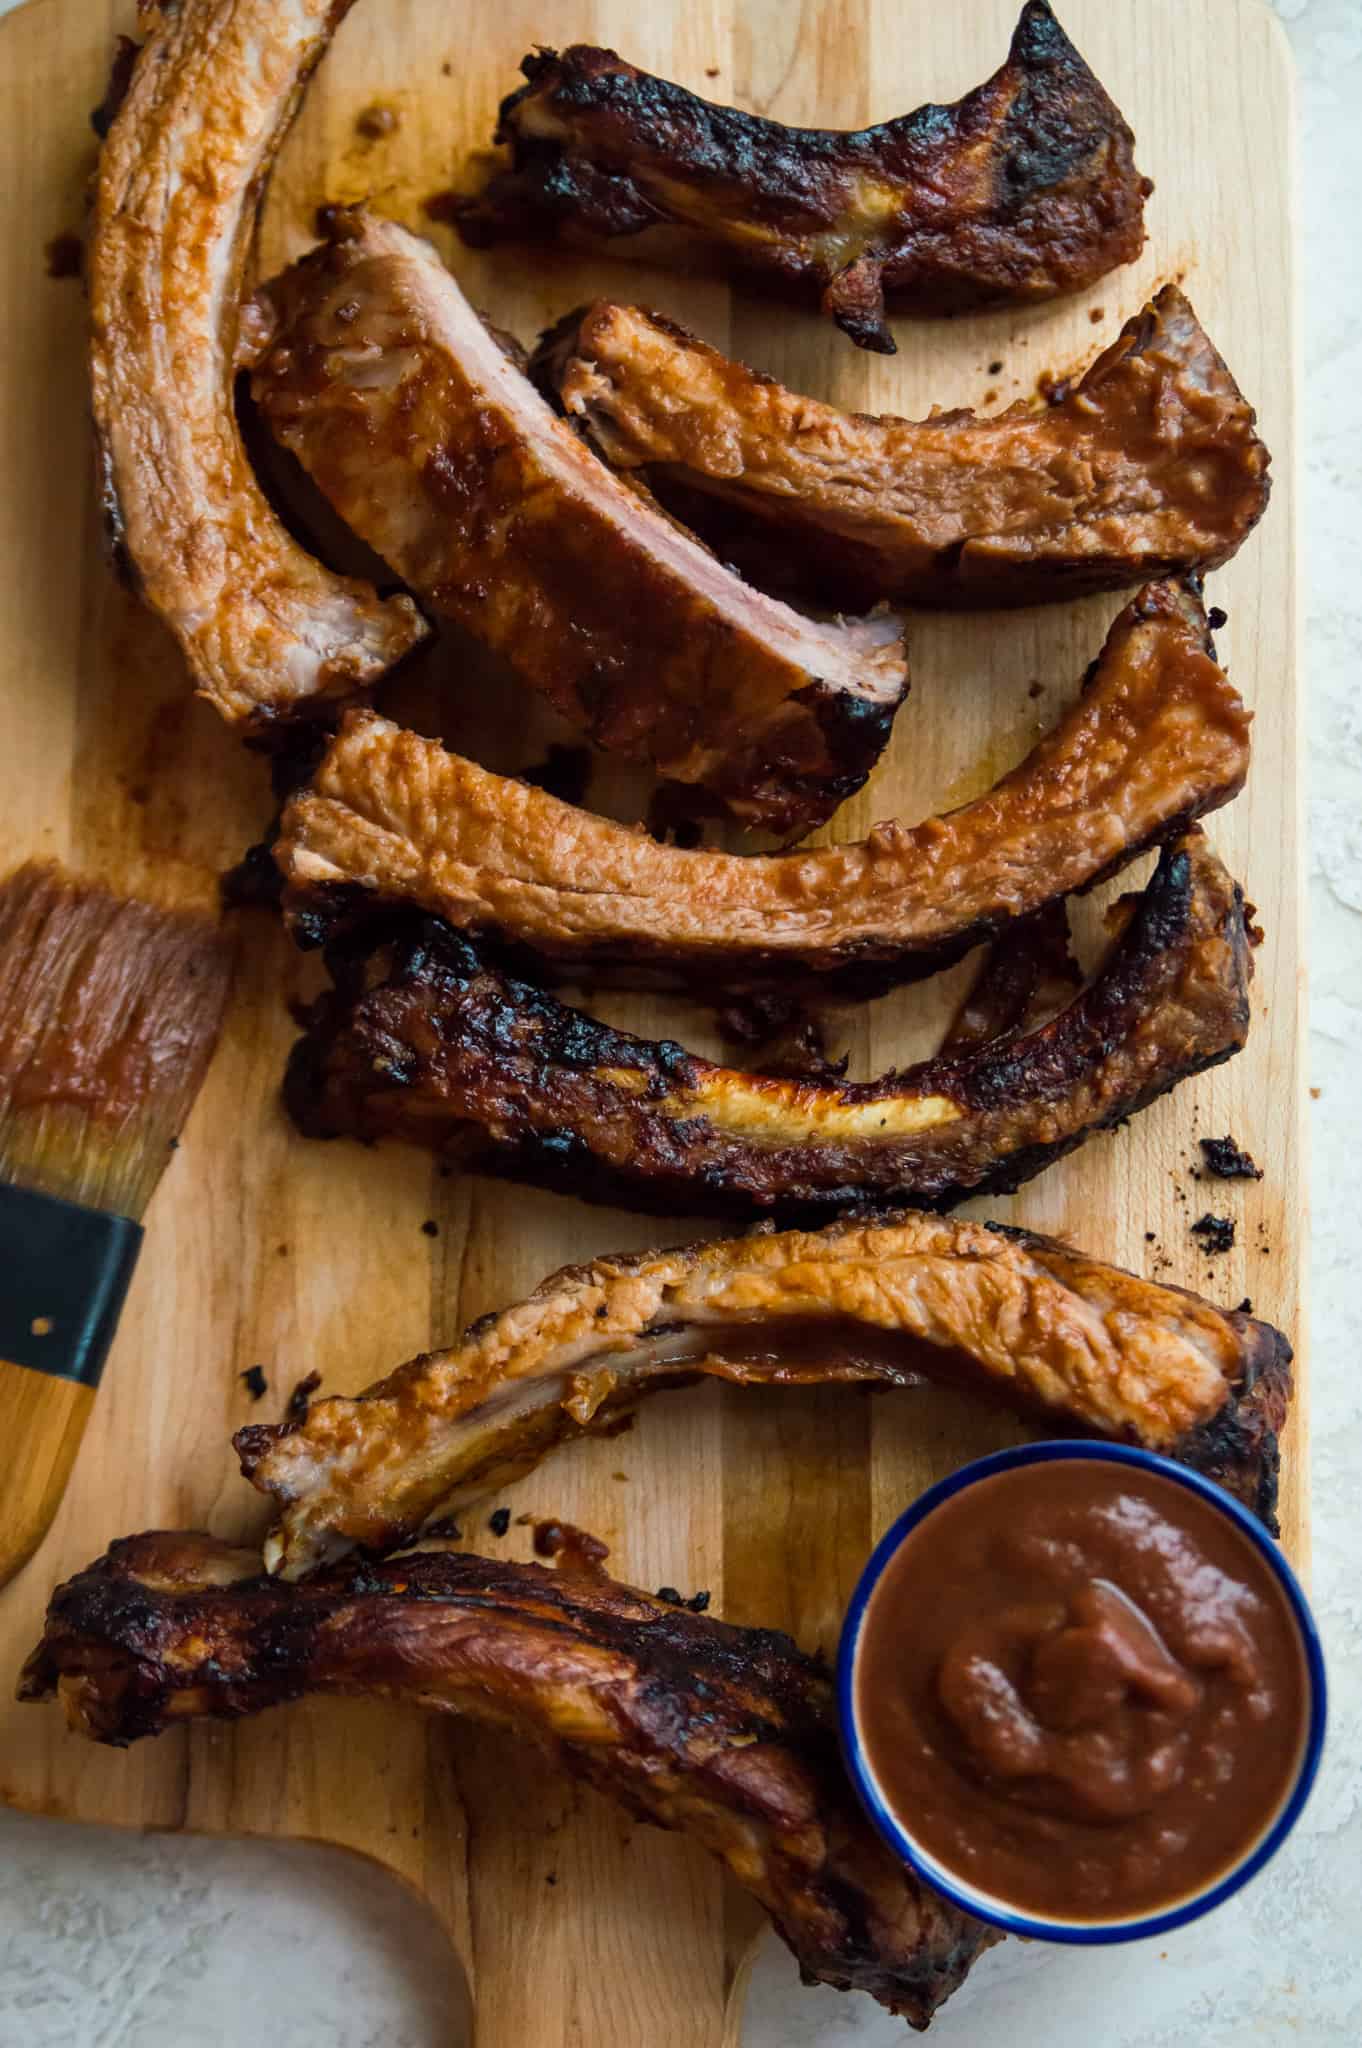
(109,1012)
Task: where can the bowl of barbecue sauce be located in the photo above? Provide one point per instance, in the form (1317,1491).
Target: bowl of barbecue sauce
(1081,1692)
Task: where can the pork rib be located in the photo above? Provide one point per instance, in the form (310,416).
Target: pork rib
(1024,188)
(893,1300)
(425,1038)
(437,450)
(1158,738)
(266,631)
(1148,465)
(1026,977)
(726,1734)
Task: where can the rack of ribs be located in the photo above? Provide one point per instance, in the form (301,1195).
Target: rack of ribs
(267,632)
(1158,738)
(727,1734)
(425,1037)
(433,446)
(1148,465)
(1024,188)
(894,1300)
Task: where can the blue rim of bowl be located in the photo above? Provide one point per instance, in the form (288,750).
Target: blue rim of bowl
(981,1904)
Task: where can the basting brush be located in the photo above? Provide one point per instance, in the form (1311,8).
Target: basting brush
(109,1012)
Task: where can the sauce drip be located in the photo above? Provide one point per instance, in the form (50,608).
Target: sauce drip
(1081,1689)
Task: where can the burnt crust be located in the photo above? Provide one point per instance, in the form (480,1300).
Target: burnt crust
(726,1733)
(1238,1447)
(425,1038)
(1024,188)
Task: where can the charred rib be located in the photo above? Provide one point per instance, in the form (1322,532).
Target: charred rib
(727,1734)
(423,1038)
(437,450)
(1030,1323)
(1148,466)
(266,630)
(1024,188)
(1158,738)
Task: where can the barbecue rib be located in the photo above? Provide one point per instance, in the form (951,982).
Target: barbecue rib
(439,452)
(1024,188)
(423,1038)
(1147,466)
(1081,1346)
(1158,738)
(1026,977)
(727,1734)
(264,628)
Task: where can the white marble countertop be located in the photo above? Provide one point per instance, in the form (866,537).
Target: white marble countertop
(109,1941)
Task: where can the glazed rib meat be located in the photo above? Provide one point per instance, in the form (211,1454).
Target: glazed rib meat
(727,1734)
(1146,466)
(265,629)
(893,1300)
(425,1038)
(1158,738)
(1024,188)
(438,451)
(1027,976)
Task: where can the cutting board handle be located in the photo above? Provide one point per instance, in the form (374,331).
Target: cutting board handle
(735,2005)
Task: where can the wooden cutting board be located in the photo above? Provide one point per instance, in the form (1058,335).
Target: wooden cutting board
(575,1926)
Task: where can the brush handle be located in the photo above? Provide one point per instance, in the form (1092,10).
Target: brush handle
(44,1420)
(64,1273)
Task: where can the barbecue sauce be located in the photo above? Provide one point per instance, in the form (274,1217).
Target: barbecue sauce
(1081,1690)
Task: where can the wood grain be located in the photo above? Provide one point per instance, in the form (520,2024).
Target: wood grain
(263,1249)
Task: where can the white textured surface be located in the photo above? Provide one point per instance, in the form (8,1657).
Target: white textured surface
(116,1942)
(113,1940)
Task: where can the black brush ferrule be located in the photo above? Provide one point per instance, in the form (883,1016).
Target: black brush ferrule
(64,1273)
